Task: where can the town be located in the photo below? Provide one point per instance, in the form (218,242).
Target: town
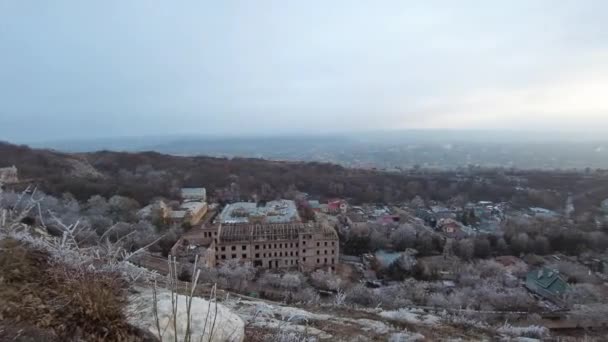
(539,267)
(373,248)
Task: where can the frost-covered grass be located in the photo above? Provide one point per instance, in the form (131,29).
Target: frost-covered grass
(534,331)
(406,336)
(412,316)
(60,285)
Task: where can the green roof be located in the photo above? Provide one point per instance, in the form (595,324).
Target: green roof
(546,282)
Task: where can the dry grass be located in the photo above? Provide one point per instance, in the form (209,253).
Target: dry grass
(60,303)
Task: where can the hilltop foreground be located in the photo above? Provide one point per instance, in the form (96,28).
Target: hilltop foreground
(53,290)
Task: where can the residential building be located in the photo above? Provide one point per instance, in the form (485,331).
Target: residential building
(427,216)
(337,206)
(354,220)
(547,283)
(314,205)
(452,228)
(543,213)
(188,212)
(441,212)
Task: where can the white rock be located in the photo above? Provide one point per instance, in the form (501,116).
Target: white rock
(223,327)
(406,336)
(371,325)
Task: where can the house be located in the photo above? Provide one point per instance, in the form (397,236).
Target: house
(314,205)
(193,194)
(547,283)
(389,219)
(354,220)
(452,228)
(442,212)
(427,216)
(337,206)
(544,213)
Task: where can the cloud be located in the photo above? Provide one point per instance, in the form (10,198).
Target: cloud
(72,68)
(573,99)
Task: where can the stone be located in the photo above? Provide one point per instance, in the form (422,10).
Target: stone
(225,326)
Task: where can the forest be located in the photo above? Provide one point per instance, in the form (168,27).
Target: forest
(147,175)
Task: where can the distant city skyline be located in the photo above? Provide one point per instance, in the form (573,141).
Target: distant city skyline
(87,70)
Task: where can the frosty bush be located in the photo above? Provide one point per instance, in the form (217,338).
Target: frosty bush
(325,280)
(361,295)
(306,296)
(235,275)
(533,331)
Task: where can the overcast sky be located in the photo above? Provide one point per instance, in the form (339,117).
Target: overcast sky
(74,69)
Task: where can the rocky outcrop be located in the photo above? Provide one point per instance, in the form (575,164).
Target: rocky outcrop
(211,321)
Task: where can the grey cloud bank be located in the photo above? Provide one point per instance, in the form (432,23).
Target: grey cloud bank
(73,69)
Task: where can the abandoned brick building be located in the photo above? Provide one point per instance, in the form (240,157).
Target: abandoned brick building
(286,245)
(304,246)
(269,235)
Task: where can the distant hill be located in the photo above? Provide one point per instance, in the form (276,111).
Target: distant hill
(393,150)
(146,175)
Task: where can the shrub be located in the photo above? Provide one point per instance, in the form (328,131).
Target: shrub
(306,296)
(325,280)
(533,331)
(361,295)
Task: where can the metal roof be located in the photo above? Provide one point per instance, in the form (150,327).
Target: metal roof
(281,211)
(194,193)
(192,206)
(546,282)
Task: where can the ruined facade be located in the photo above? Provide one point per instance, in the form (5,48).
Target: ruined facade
(286,245)
(302,246)
(269,235)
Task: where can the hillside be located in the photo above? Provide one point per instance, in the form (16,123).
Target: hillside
(146,175)
(53,289)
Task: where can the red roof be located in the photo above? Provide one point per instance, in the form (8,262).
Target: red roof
(334,203)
